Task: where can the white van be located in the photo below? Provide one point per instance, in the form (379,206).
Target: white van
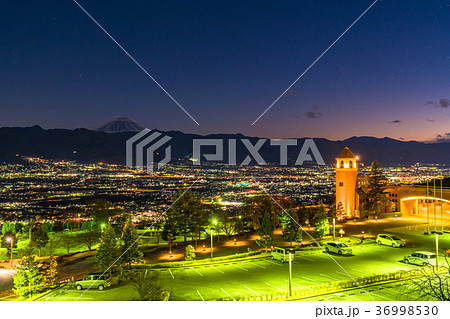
(421,258)
(282,253)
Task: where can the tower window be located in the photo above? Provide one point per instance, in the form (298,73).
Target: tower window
(341,184)
(342,164)
(351,164)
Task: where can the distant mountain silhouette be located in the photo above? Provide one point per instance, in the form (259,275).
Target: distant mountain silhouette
(88,146)
(120,124)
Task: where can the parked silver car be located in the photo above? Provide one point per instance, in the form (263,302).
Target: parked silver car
(421,258)
(338,248)
(390,240)
(93,280)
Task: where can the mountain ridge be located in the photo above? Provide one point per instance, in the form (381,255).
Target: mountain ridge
(92,146)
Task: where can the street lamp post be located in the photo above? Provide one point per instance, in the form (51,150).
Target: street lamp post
(428,211)
(334,229)
(437,256)
(434,202)
(442,211)
(12,243)
(212,230)
(211,243)
(290,274)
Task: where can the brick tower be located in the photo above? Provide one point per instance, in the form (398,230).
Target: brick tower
(346,175)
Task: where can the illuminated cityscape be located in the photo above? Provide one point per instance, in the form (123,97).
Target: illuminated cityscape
(228,151)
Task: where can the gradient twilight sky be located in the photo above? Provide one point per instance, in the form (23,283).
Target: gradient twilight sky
(226,62)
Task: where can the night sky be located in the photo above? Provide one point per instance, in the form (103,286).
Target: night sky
(226,62)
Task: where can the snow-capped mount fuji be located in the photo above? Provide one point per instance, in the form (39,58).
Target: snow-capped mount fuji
(119,125)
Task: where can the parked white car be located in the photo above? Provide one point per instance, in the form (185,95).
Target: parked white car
(282,253)
(421,258)
(338,248)
(390,240)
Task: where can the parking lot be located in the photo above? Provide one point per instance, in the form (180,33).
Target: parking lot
(267,277)
(264,277)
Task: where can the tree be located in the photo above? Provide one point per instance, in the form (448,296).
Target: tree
(186,214)
(189,253)
(47,227)
(67,241)
(28,280)
(431,285)
(375,198)
(130,248)
(147,286)
(101,210)
(89,238)
(321,223)
(39,239)
(28,228)
(225,224)
(107,252)
(88,225)
(291,231)
(265,232)
(53,244)
(253,209)
(51,273)
(8,227)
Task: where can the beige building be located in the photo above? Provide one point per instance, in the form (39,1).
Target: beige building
(407,199)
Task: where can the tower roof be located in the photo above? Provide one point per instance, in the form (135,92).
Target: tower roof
(346,153)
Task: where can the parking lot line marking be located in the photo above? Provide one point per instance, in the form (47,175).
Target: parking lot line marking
(238,267)
(398,292)
(253,291)
(372,294)
(272,262)
(171,274)
(70,298)
(361,272)
(275,287)
(309,279)
(305,258)
(342,273)
(344,295)
(228,294)
(294,283)
(196,271)
(329,277)
(216,269)
(200,295)
(376,268)
(257,265)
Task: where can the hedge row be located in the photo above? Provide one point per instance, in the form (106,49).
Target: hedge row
(328,287)
(174,264)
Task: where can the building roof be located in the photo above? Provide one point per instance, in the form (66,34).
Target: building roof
(346,153)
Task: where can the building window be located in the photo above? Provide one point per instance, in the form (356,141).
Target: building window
(341,184)
(342,164)
(351,164)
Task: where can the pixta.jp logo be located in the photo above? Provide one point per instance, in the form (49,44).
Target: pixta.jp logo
(148,141)
(144,147)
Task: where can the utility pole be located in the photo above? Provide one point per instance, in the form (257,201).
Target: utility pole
(212,243)
(428,211)
(12,245)
(334,228)
(437,251)
(434,201)
(290,274)
(442,210)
